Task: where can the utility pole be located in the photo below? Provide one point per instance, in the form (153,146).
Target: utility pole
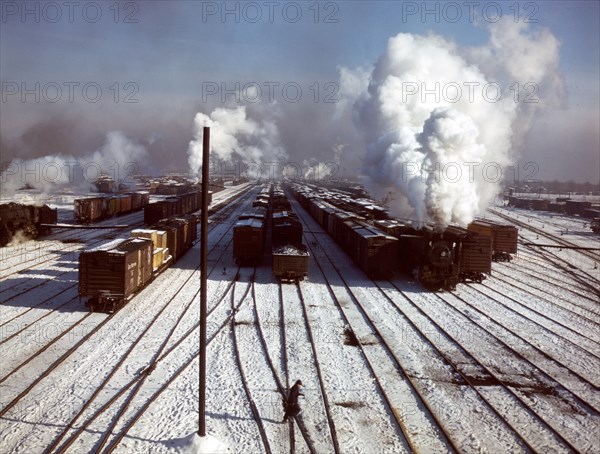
(203,279)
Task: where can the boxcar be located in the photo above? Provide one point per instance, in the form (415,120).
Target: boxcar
(161,256)
(576,207)
(110,274)
(290,262)
(180,233)
(504,238)
(248,241)
(154,212)
(90,209)
(475,253)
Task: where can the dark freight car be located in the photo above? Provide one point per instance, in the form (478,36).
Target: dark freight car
(576,207)
(375,252)
(110,274)
(154,212)
(248,241)
(173,206)
(286,228)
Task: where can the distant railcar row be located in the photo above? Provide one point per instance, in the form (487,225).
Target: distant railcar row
(438,259)
(111,274)
(581,208)
(26,219)
(94,209)
(290,256)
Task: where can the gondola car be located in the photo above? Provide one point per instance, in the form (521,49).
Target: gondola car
(290,262)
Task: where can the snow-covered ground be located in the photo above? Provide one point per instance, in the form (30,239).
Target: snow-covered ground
(510,365)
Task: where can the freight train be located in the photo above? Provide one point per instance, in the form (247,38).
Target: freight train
(439,260)
(29,220)
(271,207)
(564,205)
(93,209)
(375,252)
(111,274)
(172,206)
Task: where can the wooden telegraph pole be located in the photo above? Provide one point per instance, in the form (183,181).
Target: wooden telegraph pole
(203,279)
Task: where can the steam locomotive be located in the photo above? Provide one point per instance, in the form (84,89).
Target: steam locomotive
(27,219)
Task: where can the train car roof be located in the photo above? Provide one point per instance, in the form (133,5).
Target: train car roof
(251,222)
(120,245)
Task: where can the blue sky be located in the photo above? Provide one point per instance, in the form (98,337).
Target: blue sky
(172,48)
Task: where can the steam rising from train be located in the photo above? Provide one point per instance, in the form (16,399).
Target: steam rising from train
(119,157)
(236,133)
(437,129)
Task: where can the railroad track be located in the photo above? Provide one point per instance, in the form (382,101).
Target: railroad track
(446,342)
(555,280)
(551,298)
(238,360)
(327,407)
(477,384)
(434,434)
(581,339)
(551,390)
(585,279)
(70,351)
(284,356)
(548,218)
(137,381)
(561,241)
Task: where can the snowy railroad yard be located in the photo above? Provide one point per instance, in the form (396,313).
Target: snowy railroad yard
(509,365)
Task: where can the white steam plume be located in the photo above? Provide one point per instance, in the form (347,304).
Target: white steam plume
(119,157)
(436,136)
(234,135)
